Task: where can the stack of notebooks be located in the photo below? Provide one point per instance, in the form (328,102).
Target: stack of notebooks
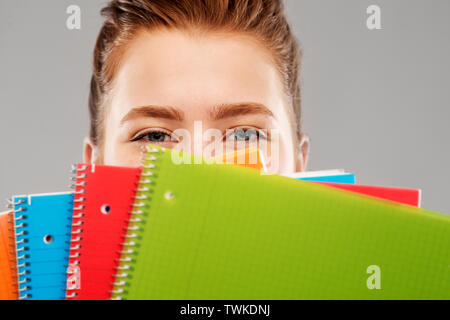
(220,231)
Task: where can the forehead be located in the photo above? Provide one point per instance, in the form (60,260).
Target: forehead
(196,71)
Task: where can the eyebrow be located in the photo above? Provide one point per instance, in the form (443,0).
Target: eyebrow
(239,109)
(218,112)
(163,112)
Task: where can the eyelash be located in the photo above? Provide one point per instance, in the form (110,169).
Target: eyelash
(141,136)
(259,134)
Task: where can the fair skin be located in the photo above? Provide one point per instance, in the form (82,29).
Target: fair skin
(170,79)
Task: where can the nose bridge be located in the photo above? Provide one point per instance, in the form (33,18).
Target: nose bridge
(195,138)
(198,138)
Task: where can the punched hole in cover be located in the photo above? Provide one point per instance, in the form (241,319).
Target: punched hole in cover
(105,209)
(48,239)
(169,195)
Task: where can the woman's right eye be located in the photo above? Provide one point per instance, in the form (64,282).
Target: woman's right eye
(155,137)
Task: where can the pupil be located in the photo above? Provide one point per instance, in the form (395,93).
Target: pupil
(244,135)
(240,134)
(156,136)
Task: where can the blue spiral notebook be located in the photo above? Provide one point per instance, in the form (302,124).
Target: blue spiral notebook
(42,229)
(335,176)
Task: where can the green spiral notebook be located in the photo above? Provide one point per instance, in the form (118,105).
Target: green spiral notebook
(204,231)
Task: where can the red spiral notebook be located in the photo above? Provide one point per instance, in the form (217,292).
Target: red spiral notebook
(104,196)
(400,195)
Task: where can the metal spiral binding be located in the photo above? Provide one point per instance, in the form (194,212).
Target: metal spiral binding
(135,219)
(12,244)
(76,222)
(18,221)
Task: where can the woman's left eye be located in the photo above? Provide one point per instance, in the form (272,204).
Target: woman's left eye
(246,135)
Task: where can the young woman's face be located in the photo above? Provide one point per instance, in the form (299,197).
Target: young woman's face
(170,80)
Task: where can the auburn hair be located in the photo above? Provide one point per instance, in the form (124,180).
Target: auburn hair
(263,19)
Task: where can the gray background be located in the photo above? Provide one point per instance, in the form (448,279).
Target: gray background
(375,102)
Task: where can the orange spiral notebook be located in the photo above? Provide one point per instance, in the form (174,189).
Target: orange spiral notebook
(8,271)
(249,157)
(104,196)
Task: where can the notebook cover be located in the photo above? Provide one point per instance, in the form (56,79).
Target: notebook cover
(8,269)
(401,195)
(334,176)
(42,230)
(248,157)
(348,178)
(226,232)
(104,196)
